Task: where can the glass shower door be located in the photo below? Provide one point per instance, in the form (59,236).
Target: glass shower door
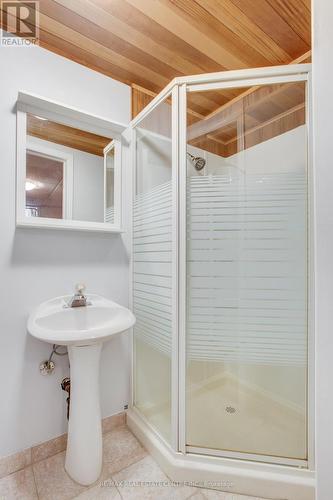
(152,268)
(246,283)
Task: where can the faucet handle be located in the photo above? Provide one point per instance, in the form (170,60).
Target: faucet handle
(80,288)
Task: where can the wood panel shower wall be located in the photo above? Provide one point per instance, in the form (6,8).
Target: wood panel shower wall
(140,99)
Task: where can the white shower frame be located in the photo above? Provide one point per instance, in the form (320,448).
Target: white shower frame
(294,477)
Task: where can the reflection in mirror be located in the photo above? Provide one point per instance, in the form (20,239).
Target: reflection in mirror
(65,176)
(44,186)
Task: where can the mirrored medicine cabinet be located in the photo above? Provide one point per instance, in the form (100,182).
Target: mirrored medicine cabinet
(68,167)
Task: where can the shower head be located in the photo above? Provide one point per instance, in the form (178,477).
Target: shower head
(197,161)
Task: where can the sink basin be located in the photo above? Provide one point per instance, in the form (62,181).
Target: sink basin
(54,322)
(83,330)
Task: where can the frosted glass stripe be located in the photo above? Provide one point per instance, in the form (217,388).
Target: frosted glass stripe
(152,259)
(109,215)
(246,269)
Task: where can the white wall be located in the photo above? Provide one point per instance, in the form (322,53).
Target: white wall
(88,187)
(323,169)
(285,153)
(154,162)
(37,264)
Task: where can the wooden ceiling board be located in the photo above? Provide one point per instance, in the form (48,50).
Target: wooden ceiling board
(53,12)
(93,24)
(149,42)
(246,29)
(297,13)
(189,60)
(268,18)
(199,16)
(126,24)
(60,46)
(100,51)
(165,14)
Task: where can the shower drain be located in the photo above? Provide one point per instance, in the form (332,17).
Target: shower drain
(230,409)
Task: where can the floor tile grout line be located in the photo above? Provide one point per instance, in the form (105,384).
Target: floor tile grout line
(121,496)
(192,495)
(15,471)
(30,448)
(35,482)
(57,453)
(61,451)
(34,464)
(100,481)
(47,458)
(119,490)
(137,460)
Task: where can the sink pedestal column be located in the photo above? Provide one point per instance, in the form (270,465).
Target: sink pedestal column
(84,446)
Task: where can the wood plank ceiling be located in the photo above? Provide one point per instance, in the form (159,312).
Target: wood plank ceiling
(146,43)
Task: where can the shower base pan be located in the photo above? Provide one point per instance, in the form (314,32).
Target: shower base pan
(235,476)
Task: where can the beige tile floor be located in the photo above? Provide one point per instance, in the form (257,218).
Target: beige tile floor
(129,473)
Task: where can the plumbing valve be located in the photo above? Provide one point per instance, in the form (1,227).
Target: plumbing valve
(66,386)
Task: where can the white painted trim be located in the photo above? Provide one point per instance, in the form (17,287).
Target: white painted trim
(253,457)
(68,115)
(175,286)
(106,150)
(76,225)
(247,477)
(21,127)
(247,82)
(117,184)
(242,74)
(311,278)
(131,265)
(182,266)
(68,189)
(117,168)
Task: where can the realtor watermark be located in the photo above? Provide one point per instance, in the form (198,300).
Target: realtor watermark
(110,483)
(20,23)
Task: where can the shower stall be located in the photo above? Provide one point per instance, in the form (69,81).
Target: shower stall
(221,280)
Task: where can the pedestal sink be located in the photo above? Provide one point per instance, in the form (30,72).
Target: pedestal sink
(83,330)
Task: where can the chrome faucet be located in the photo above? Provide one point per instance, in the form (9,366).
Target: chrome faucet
(78,299)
